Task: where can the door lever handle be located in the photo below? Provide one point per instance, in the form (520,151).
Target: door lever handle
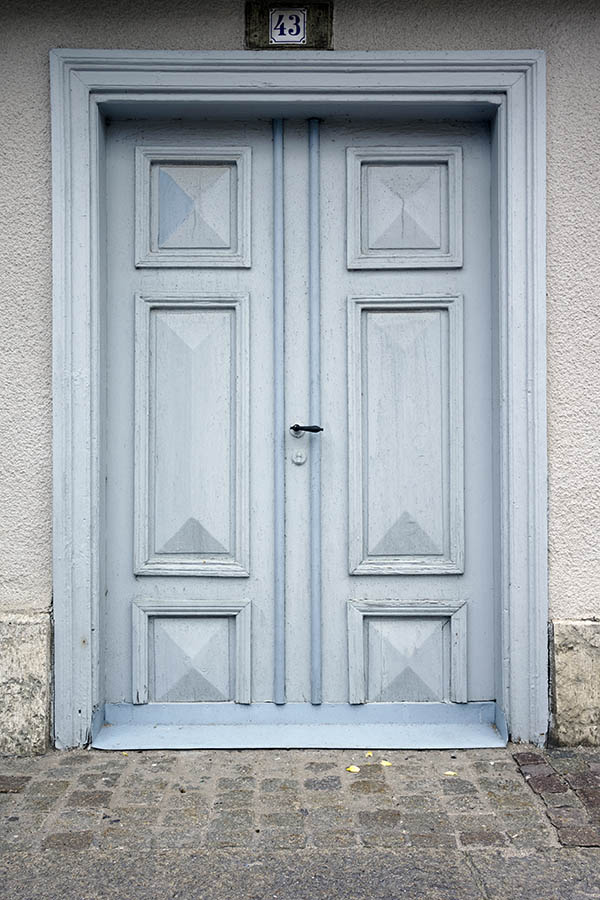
(297,430)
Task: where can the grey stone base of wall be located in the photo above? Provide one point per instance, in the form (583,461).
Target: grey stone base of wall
(575,679)
(25,672)
(25,666)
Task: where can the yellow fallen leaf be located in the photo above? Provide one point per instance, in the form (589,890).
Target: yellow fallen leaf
(369,753)
(450,773)
(384,762)
(352,769)
(123,753)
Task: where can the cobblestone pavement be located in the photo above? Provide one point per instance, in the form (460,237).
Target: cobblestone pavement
(461,808)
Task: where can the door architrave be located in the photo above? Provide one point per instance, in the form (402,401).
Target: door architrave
(507,87)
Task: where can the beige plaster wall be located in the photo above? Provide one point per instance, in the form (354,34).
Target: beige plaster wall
(568,30)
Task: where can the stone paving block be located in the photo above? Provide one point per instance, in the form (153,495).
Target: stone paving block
(475,803)
(538,769)
(533,838)
(547,784)
(583,780)
(48,787)
(476,823)
(565,765)
(590,798)
(395,839)
(141,797)
(503,785)
(328,817)
(192,815)
(89,798)
(458,786)
(327,783)
(279,785)
(289,819)
(561,816)
(236,818)
(68,840)
(366,786)
(371,771)
(570,798)
(13,784)
(242,782)
(40,802)
(528,758)
(437,840)
(383,818)
(233,800)
(133,815)
(332,837)
(223,839)
(98,780)
(425,824)
(482,838)
(281,838)
(579,835)
(243,769)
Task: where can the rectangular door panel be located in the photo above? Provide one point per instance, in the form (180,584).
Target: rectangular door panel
(405,435)
(192,441)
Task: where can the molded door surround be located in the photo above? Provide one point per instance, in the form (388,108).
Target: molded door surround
(506,88)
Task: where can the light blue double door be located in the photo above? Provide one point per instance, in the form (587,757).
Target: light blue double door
(265,586)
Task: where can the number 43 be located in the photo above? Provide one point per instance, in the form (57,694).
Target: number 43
(287,25)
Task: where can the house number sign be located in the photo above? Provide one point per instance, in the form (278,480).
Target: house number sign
(307,27)
(287,26)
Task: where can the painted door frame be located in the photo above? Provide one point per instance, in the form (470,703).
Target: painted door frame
(506,87)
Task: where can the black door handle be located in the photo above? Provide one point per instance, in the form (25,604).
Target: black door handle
(298,429)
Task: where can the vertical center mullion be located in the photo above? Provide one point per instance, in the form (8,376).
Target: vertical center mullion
(314,289)
(279,693)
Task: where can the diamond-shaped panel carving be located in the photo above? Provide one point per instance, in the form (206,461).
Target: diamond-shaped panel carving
(408,659)
(190,659)
(404,207)
(193,206)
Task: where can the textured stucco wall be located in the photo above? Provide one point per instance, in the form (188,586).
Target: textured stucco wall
(568,30)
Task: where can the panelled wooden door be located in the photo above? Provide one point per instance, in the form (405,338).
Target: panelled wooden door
(265,586)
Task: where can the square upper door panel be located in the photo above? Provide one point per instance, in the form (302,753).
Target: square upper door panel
(404,207)
(193,206)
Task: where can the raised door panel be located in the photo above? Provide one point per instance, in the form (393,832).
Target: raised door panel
(406,440)
(191,502)
(193,206)
(404,207)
